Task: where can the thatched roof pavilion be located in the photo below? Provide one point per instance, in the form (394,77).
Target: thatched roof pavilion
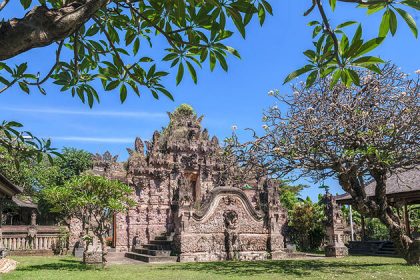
(7,188)
(402,189)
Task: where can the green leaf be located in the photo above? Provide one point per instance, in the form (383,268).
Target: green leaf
(415,4)
(409,20)
(345,24)
(375,8)
(166,92)
(112,85)
(192,72)
(367,60)
(333,4)
(237,20)
(393,23)
(212,61)
(314,22)
(26,3)
(384,26)
(233,51)
(123,93)
(180,73)
(354,76)
(136,46)
(92,30)
(298,72)
(267,7)
(24,87)
(335,78)
(310,80)
(369,45)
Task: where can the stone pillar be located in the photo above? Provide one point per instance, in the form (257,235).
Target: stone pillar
(276,219)
(334,228)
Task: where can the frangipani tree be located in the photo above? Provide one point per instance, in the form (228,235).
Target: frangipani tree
(93,200)
(351,133)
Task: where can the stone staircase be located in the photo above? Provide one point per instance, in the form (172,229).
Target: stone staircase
(372,248)
(158,250)
(387,249)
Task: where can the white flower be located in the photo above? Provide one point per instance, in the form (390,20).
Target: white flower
(265,126)
(367,79)
(309,109)
(234,127)
(417,71)
(275,107)
(271,93)
(403,93)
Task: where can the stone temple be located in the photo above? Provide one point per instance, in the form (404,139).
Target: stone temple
(194,203)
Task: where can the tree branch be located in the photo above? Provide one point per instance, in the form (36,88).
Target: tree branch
(42,26)
(3,4)
(57,61)
(330,31)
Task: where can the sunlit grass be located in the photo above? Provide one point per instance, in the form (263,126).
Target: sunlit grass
(63,268)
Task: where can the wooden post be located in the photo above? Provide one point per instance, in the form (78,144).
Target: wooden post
(114,230)
(351,223)
(407,220)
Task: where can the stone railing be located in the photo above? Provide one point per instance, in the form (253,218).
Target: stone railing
(29,238)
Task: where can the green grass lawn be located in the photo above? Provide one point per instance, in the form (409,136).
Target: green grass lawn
(356,268)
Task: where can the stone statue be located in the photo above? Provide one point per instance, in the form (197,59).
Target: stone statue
(231,234)
(33,218)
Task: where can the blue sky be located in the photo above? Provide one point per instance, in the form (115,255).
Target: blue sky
(237,97)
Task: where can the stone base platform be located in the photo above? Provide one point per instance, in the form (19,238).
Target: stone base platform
(7,265)
(336,251)
(31,253)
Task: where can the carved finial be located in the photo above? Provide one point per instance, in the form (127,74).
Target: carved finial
(156,136)
(107,156)
(138,145)
(215,141)
(205,134)
(148,146)
(130,151)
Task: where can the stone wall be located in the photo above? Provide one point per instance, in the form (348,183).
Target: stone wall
(226,227)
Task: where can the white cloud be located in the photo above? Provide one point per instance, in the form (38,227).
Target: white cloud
(130,114)
(93,139)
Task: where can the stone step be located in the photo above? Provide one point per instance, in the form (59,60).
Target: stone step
(161,242)
(157,247)
(151,259)
(161,253)
(387,250)
(162,237)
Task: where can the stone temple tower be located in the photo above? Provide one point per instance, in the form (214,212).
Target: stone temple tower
(192,199)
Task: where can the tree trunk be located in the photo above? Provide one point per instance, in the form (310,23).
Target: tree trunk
(377,207)
(404,244)
(409,249)
(85,243)
(104,249)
